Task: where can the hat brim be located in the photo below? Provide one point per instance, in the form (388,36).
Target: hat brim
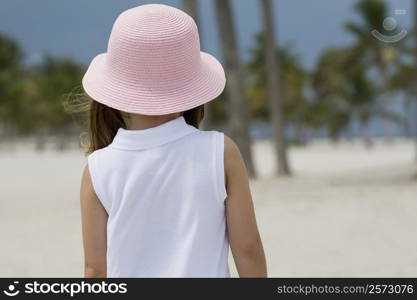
(207,83)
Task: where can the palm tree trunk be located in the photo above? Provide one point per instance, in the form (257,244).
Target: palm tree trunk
(406,122)
(275,94)
(415,63)
(366,134)
(191,8)
(238,104)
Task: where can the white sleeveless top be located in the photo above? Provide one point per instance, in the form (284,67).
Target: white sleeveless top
(164,190)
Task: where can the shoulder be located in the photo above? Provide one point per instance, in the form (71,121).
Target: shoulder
(98,154)
(99,151)
(230,148)
(95,161)
(231,152)
(233,160)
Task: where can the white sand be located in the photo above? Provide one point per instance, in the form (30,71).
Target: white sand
(347,211)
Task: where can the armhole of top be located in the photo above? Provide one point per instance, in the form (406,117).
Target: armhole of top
(220,171)
(91,159)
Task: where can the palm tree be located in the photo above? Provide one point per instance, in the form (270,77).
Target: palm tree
(191,8)
(373,54)
(293,79)
(11,77)
(275,94)
(330,85)
(415,55)
(405,78)
(48,83)
(238,104)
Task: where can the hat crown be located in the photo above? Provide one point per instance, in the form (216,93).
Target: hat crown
(153,43)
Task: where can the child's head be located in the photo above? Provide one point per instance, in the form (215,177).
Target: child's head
(153,66)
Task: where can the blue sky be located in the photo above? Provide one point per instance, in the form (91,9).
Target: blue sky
(80,28)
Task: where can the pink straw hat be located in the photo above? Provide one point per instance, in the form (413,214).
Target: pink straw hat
(153,64)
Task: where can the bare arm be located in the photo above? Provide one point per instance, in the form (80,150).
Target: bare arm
(94,223)
(245,241)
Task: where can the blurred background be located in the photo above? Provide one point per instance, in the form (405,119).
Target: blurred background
(321,99)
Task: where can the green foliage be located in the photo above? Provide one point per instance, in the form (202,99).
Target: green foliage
(10,80)
(404,77)
(47,83)
(342,90)
(218,109)
(31,97)
(346,84)
(372,14)
(330,107)
(293,78)
(10,53)
(374,63)
(350,83)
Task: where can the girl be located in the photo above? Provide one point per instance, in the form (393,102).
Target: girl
(159,197)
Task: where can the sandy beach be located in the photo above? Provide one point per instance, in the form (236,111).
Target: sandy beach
(347,211)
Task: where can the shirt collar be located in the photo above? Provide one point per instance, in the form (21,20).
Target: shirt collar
(152,137)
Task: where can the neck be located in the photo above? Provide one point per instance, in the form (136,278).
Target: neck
(139,122)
